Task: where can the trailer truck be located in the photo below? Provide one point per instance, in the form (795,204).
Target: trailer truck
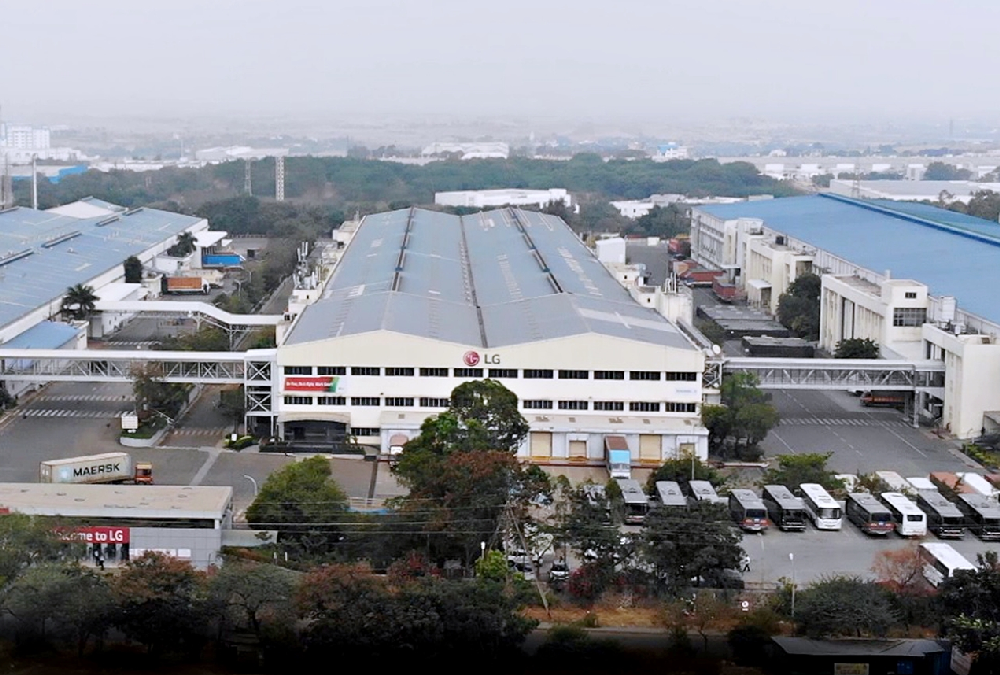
(109,467)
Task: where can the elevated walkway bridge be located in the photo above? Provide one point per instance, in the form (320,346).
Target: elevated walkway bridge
(842,374)
(235,325)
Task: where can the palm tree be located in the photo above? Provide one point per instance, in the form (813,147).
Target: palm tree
(185,245)
(78,303)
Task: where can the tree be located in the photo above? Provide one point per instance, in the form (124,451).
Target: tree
(794,470)
(184,246)
(984,204)
(969,608)
(79,302)
(161,603)
(900,570)
(798,309)
(133,270)
(683,470)
(487,417)
(303,503)
(944,171)
(844,606)
(247,593)
(27,541)
(745,418)
(232,404)
(856,348)
(691,546)
(153,395)
(665,222)
(587,525)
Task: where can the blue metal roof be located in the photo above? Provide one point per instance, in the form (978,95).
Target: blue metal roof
(951,253)
(43,253)
(45,335)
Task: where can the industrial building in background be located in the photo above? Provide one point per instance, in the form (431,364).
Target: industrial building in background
(483,199)
(918,280)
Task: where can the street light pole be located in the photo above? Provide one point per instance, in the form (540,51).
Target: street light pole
(791,557)
(253,481)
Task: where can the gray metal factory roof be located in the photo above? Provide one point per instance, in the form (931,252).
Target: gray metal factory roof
(42,253)
(491,279)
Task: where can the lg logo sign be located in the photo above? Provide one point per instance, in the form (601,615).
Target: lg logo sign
(473,359)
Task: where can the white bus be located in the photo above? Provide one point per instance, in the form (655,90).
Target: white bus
(703,491)
(636,501)
(670,493)
(910,520)
(941,561)
(895,482)
(921,483)
(978,483)
(823,509)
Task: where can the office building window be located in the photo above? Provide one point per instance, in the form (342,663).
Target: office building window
(574,375)
(298,400)
(366,400)
(399,372)
(366,370)
(644,406)
(434,402)
(609,374)
(538,374)
(680,407)
(398,402)
(332,400)
(468,372)
(573,405)
(681,377)
(537,405)
(366,431)
(909,317)
(609,405)
(298,370)
(644,375)
(910,295)
(433,372)
(503,373)
(332,370)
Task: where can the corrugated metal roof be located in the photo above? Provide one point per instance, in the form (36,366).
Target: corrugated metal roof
(60,251)
(951,253)
(491,279)
(44,335)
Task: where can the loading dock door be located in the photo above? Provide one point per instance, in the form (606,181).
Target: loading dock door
(578,449)
(541,444)
(649,446)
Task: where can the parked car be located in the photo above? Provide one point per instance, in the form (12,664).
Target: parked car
(559,573)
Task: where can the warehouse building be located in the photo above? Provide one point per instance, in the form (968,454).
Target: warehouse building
(423,301)
(918,280)
(121,522)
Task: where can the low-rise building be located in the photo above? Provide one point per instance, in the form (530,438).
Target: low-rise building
(481,199)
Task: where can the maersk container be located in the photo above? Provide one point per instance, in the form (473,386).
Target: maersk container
(110,467)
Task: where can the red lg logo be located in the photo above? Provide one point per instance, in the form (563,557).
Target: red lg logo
(471,358)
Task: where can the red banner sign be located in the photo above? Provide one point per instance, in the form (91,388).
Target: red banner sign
(99,534)
(314,384)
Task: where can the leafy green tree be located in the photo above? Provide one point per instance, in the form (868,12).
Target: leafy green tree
(683,470)
(945,171)
(232,404)
(184,246)
(487,416)
(662,221)
(493,566)
(27,541)
(79,302)
(304,503)
(153,395)
(969,607)
(133,270)
(246,594)
(794,470)
(798,309)
(686,545)
(856,348)
(161,603)
(744,418)
(822,180)
(984,204)
(845,606)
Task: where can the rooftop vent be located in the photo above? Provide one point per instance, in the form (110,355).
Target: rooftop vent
(61,238)
(107,221)
(12,256)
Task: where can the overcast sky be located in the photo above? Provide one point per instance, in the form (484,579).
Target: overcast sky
(849,60)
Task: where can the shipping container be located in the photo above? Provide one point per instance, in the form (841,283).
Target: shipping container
(109,467)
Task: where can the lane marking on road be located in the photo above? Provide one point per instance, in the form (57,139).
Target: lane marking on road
(845,441)
(782,441)
(919,451)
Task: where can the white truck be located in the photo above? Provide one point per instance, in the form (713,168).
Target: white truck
(109,467)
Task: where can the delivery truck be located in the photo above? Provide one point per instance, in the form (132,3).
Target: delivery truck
(109,467)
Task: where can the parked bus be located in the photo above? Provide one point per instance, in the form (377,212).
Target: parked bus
(869,514)
(784,509)
(946,481)
(883,399)
(921,483)
(823,510)
(748,510)
(703,491)
(894,482)
(910,520)
(670,493)
(978,483)
(943,518)
(982,515)
(636,501)
(940,561)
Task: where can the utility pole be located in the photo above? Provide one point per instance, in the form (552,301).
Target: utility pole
(34,182)
(247,182)
(279,178)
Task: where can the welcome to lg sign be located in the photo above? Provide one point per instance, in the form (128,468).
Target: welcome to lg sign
(473,359)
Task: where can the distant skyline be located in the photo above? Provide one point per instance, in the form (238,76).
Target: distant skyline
(853,61)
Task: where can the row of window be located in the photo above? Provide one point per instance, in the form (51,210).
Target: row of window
(499,373)
(909,317)
(612,406)
(426,402)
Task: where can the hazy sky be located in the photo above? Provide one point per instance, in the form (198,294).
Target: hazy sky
(851,60)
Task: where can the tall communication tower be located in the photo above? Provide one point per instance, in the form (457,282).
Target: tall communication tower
(279,178)
(247,181)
